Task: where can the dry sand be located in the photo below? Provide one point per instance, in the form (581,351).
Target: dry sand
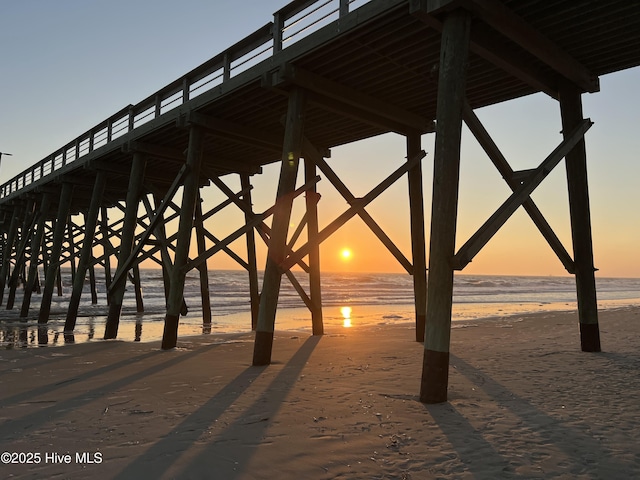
(524,402)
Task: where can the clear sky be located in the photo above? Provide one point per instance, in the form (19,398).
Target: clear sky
(69,64)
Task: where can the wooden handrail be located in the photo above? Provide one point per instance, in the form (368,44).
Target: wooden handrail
(125,119)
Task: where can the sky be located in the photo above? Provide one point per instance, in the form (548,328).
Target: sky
(67,65)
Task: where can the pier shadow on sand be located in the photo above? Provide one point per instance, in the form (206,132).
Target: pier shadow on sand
(183,454)
(584,453)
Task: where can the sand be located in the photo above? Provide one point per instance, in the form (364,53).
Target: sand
(524,402)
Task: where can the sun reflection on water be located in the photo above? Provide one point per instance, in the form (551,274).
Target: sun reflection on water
(346,316)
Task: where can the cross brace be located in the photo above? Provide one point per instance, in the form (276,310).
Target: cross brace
(357,206)
(313,155)
(479,239)
(242,230)
(514,180)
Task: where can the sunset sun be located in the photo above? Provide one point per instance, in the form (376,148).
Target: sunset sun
(346,254)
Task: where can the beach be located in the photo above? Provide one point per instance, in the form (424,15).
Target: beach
(524,402)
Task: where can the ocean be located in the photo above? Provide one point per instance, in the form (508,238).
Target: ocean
(350,300)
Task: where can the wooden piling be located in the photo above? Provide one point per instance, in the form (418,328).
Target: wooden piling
(59,282)
(576,166)
(137,286)
(56,250)
(165,259)
(451,93)
(92,284)
(107,248)
(136,179)
(416,212)
(72,247)
(292,146)
(36,243)
(86,252)
(252,262)
(202,268)
(12,236)
(187,210)
(44,260)
(25,234)
(315,291)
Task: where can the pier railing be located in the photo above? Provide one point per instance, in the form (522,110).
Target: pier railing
(290,24)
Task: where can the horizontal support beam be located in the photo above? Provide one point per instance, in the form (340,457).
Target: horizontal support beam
(157,151)
(512,26)
(495,52)
(236,132)
(504,21)
(370,107)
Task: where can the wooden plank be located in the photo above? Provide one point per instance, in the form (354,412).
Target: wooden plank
(225,249)
(28,224)
(157,151)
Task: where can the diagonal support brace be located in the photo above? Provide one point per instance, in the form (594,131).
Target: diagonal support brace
(478,240)
(357,206)
(514,182)
(313,154)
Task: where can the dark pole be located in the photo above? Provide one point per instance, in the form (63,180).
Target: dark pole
(311,199)
(126,244)
(202,268)
(187,211)
(280,228)
(56,249)
(254,293)
(36,243)
(444,207)
(86,252)
(6,254)
(579,211)
(416,209)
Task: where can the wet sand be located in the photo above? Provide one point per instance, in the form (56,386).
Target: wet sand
(524,402)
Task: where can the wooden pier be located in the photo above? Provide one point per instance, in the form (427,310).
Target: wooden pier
(319,75)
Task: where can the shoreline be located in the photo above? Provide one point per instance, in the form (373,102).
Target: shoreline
(148,327)
(524,402)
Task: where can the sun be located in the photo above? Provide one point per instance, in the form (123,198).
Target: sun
(346,254)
